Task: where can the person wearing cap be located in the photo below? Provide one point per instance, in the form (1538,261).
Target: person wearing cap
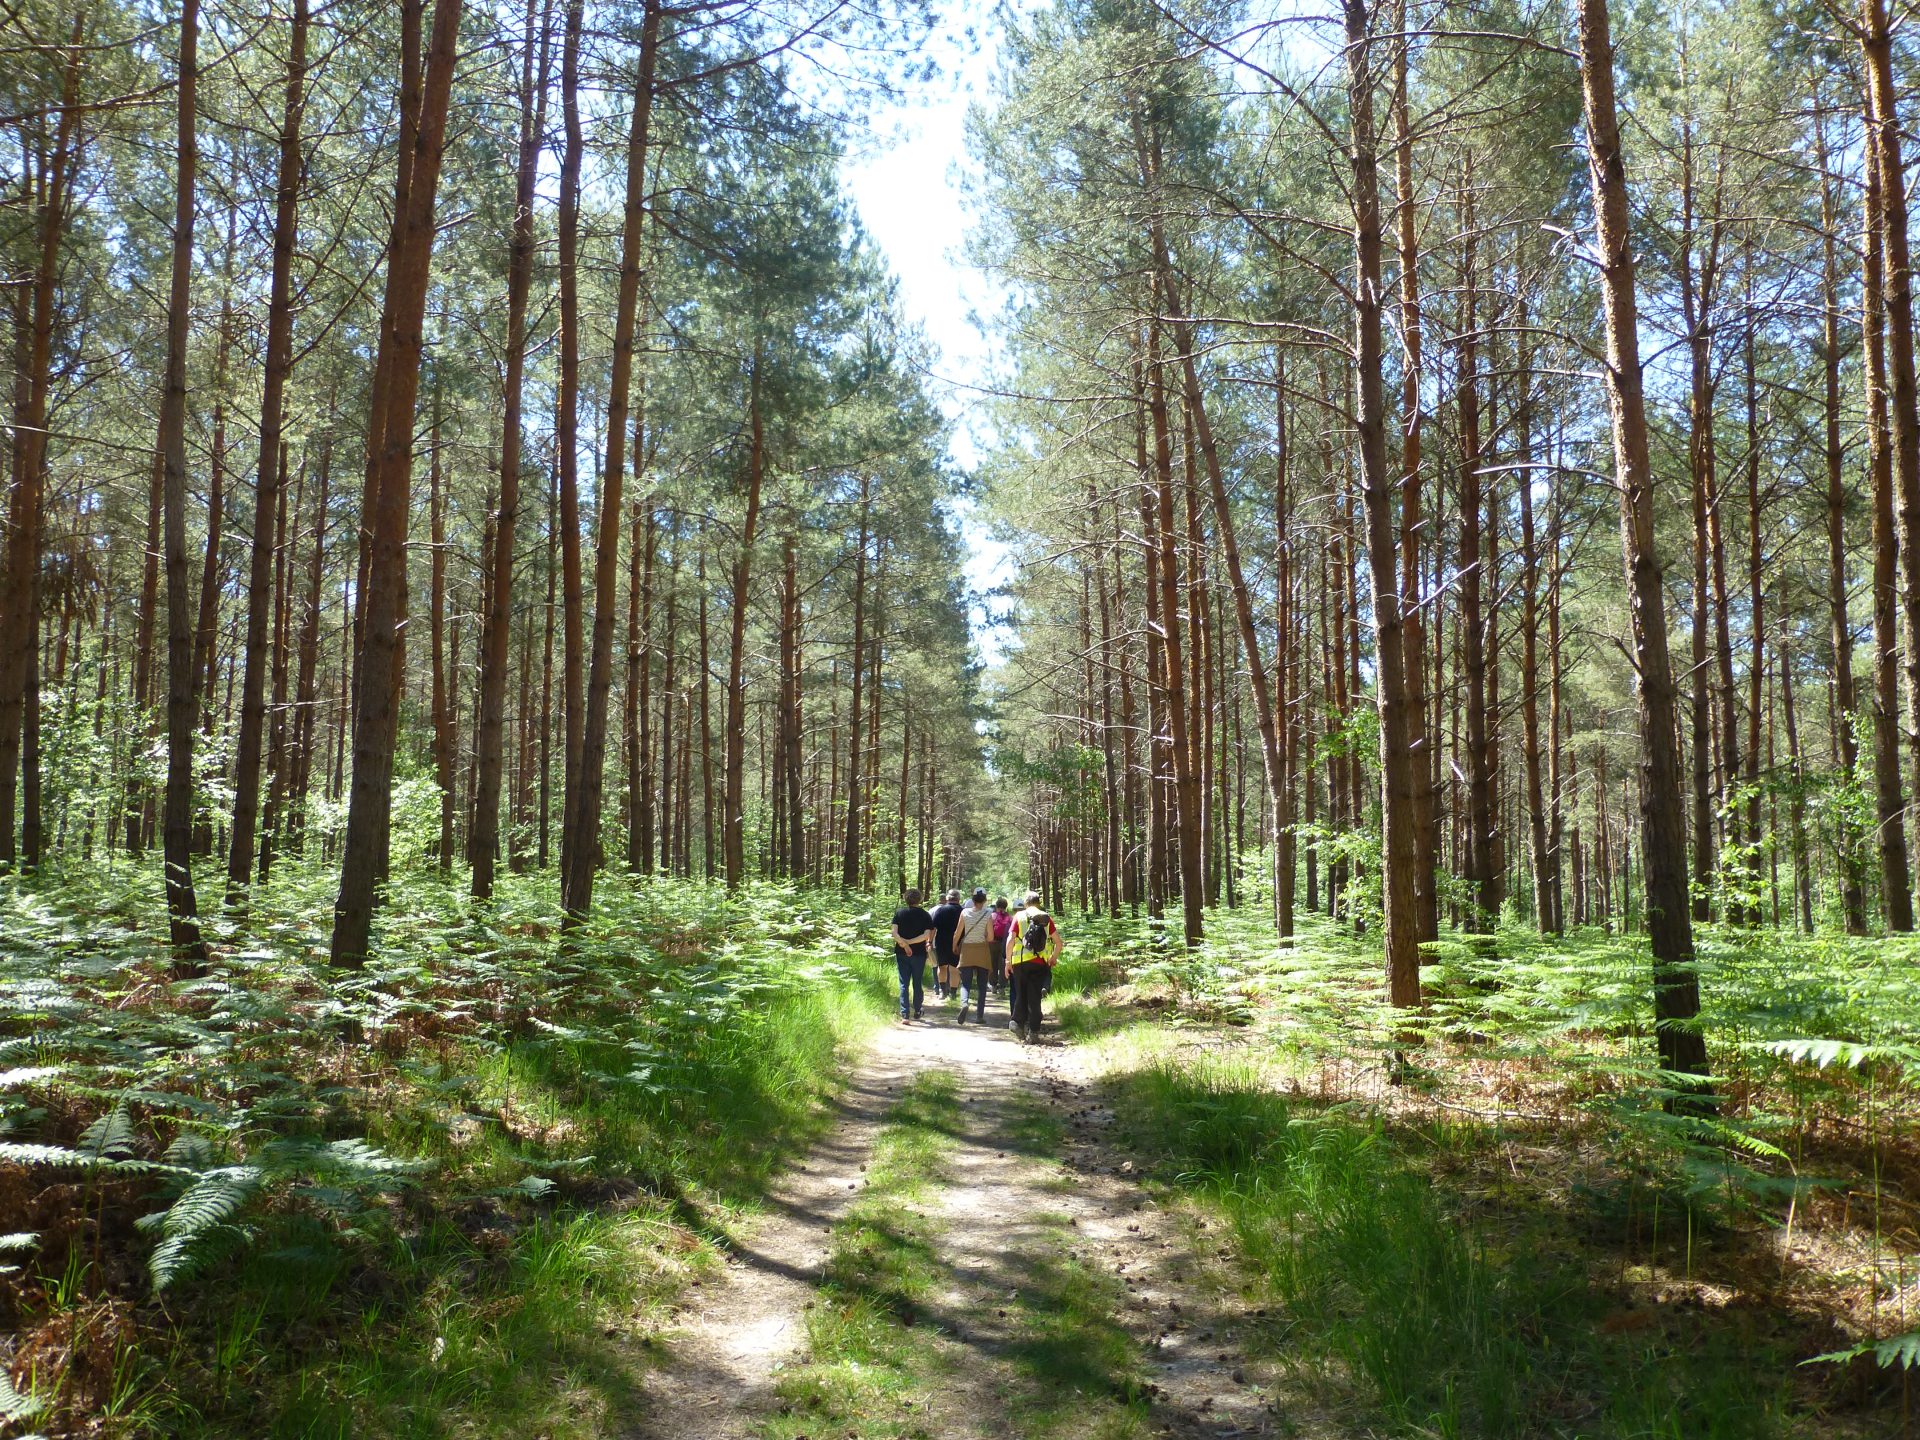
(946,921)
(975,944)
(1033,949)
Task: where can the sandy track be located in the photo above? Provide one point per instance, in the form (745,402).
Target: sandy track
(1002,1216)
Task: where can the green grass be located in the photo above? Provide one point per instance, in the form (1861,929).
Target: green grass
(871,1364)
(1384,1290)
(562,1127)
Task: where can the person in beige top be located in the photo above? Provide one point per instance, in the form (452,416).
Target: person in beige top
(974,941)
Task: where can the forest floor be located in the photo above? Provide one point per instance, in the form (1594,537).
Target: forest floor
(967,1254)
(678,1178)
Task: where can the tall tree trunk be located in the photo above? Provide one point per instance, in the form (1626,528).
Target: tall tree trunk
(441,708)
(1797,813)
(1185,781)
(279,362)
(276,757)
(1286,680)
(1412,520)
(189,949)
(1903,401)
(1896,894)
(306,688)
(546,678)
(1482,866)
(1537,839)
(1676,990)
(20,596)
(1699,286)
(791,717)
(732,819)
(1156,857)
(566,426)
(497,628)
(668,736)
(1756,605)
(850,867)
(582,853)
(139,794)
(1224,525)
(1852,897)
(1398,783)
(706,721)
(639,689)
(388,494)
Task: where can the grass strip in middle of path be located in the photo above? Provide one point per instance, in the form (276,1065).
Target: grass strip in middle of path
(870,1369)
(1079,1372)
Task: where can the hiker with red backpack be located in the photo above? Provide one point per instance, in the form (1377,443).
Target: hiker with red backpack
(1033,949)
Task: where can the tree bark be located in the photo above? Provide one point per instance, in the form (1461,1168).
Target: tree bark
(566,426)
(1398,784)
(279,363)
(850,848)
(20,599)
(1676,990)
(1412,519)
(1896,894)
(496,635)
(1482,871)
(1903,402)
(732,817)
(1263,708)
(189,949)
(442,711)
(388,493)
(581,855)
(1173,671)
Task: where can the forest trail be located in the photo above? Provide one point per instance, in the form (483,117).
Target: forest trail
(1047,1255)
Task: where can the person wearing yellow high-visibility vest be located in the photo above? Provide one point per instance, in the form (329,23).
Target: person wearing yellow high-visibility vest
(1033,949)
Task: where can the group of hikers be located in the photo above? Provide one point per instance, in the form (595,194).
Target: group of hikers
(975,948)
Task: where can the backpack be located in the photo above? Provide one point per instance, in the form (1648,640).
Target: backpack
(1035,940)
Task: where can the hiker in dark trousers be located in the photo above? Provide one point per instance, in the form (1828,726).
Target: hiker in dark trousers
(975,937)
(946,920)
(1033,949)
(912,935)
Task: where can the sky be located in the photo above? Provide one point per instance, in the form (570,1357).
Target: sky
(906,172)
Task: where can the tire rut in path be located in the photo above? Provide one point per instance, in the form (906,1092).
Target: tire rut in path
(998,1212)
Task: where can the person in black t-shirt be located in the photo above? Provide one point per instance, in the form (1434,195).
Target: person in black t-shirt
(912,934)
(946,920)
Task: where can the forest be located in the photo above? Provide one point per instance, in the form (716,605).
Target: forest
(503,590)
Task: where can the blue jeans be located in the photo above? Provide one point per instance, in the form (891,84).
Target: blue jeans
(973,990)
(913,975)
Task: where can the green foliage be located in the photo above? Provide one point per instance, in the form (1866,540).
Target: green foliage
(276,1128)
(1448,1328)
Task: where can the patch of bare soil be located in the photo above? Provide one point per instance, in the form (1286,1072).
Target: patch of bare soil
(741,1327)
(1008,1214)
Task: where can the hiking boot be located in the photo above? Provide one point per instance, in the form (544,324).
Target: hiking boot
(961,1018)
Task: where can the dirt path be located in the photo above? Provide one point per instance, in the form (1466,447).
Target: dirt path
(1010,1220)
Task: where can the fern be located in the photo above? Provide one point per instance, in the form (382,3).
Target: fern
(111,1137)
(1823,1053)
(31,1156)
(13,1405)
(1901,1352)
(204,1210)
